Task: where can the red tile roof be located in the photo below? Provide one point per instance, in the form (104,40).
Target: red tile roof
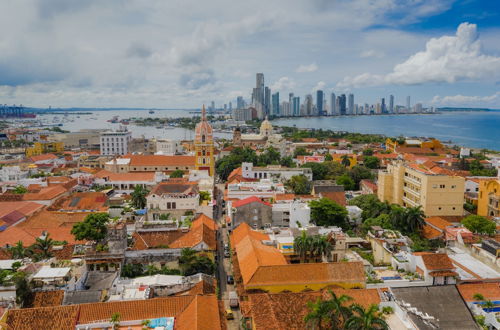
(161,160)
(437,261)
(43,157)
(248,200)
(490,291)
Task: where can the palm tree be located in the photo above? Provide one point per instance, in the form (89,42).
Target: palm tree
(397,216)
(319,314)
(320,246)
(339,312)
(478,297)
(188,257)
(151,269)
(139,197)
(302,245)
(368,319)
(115,320)
(414,219)
(345,161)
(43,247)
(488,305)
(18,251)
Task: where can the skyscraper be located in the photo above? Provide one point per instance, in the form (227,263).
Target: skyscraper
(267,100)
(383,107)
(213,106)
(391,104)
(258,96)
(308,105)
(240,103)
(342,104)
(319,102)
(351,104)
(296,106)
(408,104)
(333,108)
(276,104)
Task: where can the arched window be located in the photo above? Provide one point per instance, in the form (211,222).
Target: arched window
(203,138)
(203,152)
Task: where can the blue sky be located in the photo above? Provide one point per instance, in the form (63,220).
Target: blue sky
(180,54)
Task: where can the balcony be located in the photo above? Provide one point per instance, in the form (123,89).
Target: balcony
(409,201)
(413,181)
(411,191)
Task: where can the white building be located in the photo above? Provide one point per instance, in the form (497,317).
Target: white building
(115,143)
(273,172)
(12,173)
(174,198)
(295,214)
(169,147)
(262,189)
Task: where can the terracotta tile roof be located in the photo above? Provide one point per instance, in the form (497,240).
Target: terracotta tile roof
(438,222)
(287,310)
(248,200)
(201,313)
(437,261)
(201,288)
(153,239)
(197,235)
(370,184)
(161,160)
(12,218)
(47,298)
(335,196)
(284,197)
(206,220)
(348,272)
(243,230)
(57,318)
(43,157)
(46,193)
(430,232)
(253,255)
(236,172)
(175,187)
(130,176)
(26,208)
(443,273)
(490,291)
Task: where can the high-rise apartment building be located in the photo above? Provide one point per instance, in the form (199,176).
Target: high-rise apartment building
(319,102)
(408,104)
(383,106)
(342,104)
(391,104)
(308,105)
(267,101)
(240,103)
(276,104)
(413,184)
(333,102)
(296,106)
(351,104)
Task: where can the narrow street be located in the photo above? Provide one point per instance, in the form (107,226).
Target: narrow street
(224,266)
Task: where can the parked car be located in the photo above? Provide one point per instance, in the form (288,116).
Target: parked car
(230,279)
(227,254)
(234,302)
(229,314)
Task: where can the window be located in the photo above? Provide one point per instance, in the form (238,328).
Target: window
(434,186)
(439,208)
(453,186)
(203,138)
(442,186)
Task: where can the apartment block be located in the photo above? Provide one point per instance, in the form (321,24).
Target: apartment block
(438,192)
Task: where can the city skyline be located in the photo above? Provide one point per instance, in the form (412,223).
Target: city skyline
(127,54)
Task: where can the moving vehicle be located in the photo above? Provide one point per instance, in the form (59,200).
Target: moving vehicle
(234,302)
(230,279)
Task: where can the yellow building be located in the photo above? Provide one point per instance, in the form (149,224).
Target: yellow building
(489,198)
(353,161)
(409,185)
(44,148)
(413,143)
(204,145)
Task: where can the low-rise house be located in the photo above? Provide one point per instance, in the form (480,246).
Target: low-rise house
(12,173)
(174,197)
(126,182)
(251,210)
(150,163)
(277,172)
(385,244)
(368,186)
(264,189)
(52,276)
(301,160)
(436,268)
(293,214)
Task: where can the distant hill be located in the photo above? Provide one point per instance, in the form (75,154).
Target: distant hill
(466,109)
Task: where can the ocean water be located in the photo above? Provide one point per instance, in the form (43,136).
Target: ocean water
(479,129)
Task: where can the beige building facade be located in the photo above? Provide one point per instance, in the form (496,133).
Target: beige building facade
(411,185)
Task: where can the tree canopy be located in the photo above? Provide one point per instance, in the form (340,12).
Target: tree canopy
(371,162)
(139,197)
(92,228)
(177,174)
(325,212)
(299,184)
(479,225)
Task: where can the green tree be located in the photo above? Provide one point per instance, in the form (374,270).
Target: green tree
(414,217)
(139,197)
(19,190)
(177,174)
(479,225)
(345,161)
(346,181)
(370,205)
(300,151)
(287,161)
(369,319)
(132,270)
(368,152)
(302,245)
(321,247)
(319,315)
(115,320)
(299,184)
(165,216)
(92,228)
(270,156)
(319,170)
(330,313)
(325,212)
(43,247)
(383,220)
(340,313)
(204,196)
(334,170)
(23,290)
(328,158)
(371,162)
(227,164)
(201,264)
(151,269)
(18,251)
(358,173)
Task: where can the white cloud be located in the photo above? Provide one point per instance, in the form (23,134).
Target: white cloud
(466,100)
(319,86)
(283,84)
(307,68)
(371,53)
(445,59)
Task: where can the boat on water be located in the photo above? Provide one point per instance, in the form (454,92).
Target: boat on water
(151,111)
(113,120)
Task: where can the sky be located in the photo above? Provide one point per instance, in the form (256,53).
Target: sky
(180,54)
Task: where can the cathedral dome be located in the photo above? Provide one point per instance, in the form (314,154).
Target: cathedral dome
(266,128)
